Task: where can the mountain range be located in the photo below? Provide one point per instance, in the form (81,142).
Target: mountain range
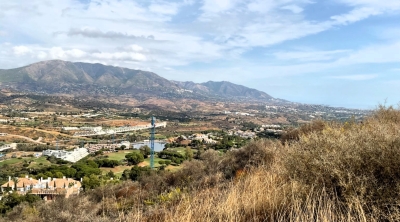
(77,79)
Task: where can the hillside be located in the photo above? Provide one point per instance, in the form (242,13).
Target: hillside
(79,79)
(224,88)
(323,171)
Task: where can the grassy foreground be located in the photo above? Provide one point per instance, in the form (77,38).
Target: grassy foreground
(321,172)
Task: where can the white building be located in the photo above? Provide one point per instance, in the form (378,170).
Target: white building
(127,144)
(71,156)
(66,128)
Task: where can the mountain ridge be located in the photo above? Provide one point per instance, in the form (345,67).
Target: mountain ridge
(77,78)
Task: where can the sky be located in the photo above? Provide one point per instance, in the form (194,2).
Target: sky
(332,52)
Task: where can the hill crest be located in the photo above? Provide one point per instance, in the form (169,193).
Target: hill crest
(77,78)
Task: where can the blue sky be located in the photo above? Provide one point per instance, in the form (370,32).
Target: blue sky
(332,52)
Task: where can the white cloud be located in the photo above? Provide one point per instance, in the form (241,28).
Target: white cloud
(293,8)
(60,53)
(41,55)
(382,53)
(356,15)
(215,6)
(262,6)
(165,9)
(120,56)
(356,77)
(379,4)
(134,48)
(311,55)
(363,9)
(21,50)
(92,32)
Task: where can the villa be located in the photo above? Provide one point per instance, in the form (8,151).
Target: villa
(47,189)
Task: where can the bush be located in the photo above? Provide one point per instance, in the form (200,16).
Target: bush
(352,160)
(294,134)
(134,158)
(253,155)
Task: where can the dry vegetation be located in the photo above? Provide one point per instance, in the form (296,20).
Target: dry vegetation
(325,172)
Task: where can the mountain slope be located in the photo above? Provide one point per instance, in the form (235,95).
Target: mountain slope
(79,78)
(230,89)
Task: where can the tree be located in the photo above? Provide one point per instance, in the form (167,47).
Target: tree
(125,174)
(58,174)
(15,180)
(188,153)
(136,172)
(145,150)
(110,174)
(134,158)
(90,182)
(167,162)
(199,152)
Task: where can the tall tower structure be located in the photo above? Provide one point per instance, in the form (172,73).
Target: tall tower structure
(153,131)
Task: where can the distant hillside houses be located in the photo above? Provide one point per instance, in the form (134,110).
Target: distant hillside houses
(71,156)
(199,136)
(243,134)
(66,128)
(47,189)
(187,140)
(239,113)
(271,126)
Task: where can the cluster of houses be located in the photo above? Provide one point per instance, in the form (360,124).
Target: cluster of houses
(238,113)
(15,119)
(243,134)
(92,148)
(186,140)
(79,153)
(47,189)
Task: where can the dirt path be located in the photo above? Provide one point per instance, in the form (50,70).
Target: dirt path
(27,138)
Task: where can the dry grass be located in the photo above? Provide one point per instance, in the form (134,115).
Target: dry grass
(329,172)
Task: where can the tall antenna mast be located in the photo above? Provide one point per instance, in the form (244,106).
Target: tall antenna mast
(153,131)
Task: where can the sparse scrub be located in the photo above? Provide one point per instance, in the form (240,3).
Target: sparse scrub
(294,134)
(353,160)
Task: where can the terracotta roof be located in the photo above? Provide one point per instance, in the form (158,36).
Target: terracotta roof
(60,182)
(185,142)
(21,182)
(57,183)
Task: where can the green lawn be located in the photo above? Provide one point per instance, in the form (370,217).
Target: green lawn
(120,155)
(181,150)
(156,159)
(11,161)
(116,170)
(34,161)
